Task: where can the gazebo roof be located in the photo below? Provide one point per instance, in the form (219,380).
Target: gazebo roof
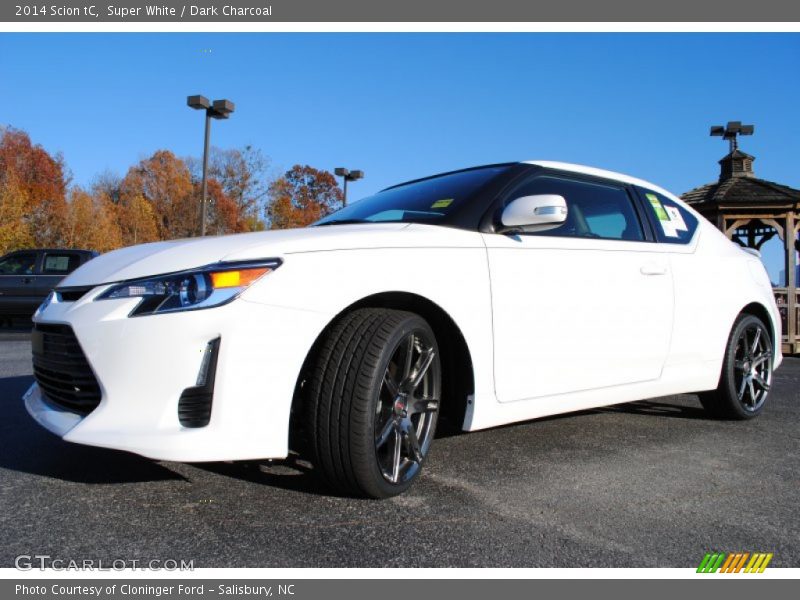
(739,186)
(742,191)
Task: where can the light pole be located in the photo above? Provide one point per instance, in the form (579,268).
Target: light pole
(348,175)
(219,109)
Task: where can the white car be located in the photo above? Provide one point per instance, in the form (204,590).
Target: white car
(478,297)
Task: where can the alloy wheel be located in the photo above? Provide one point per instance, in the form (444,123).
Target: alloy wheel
(407,408)
(752,367)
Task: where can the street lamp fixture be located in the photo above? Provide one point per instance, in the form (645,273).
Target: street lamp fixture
(731,132)
(348,175)
(219,109)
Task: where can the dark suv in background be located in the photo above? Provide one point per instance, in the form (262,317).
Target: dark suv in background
(27,276)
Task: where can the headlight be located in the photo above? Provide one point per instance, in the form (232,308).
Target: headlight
(191,290)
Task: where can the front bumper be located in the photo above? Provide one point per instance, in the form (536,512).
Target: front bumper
(143,364)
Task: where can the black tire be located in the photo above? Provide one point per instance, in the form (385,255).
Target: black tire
(746,375)
(356,395)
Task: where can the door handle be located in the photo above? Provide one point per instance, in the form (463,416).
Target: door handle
(653,269)
(26,280)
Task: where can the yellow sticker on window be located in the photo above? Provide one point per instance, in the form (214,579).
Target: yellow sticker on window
(442,203)
(658,207)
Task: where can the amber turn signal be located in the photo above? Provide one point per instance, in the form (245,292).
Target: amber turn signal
(240,278)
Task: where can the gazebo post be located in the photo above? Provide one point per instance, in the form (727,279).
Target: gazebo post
(791,283)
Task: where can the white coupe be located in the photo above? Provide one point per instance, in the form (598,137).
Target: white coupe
(473,298)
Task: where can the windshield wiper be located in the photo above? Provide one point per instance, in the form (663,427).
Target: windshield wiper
(342,222)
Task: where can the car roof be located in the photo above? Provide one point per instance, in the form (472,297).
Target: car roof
(574,168)
(52,250)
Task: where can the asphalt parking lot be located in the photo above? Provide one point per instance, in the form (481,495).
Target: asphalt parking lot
(647,484)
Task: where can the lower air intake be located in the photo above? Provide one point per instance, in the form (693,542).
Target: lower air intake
(194,406)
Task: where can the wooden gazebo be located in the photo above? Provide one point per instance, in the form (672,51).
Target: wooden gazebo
(751,211)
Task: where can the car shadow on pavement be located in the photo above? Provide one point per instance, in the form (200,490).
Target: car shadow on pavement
(654,408)
(28,448)
(292,474)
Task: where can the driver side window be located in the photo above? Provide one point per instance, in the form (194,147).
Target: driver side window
(18,264)
(594,210)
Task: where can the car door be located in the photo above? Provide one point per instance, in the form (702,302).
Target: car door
(17,273)
(585,305)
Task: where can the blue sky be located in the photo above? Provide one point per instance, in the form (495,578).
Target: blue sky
(401,106)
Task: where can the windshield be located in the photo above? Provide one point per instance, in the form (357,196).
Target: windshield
(424,201)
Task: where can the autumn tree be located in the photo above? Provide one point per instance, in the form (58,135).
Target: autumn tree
(301,196)
(39,179)
(107,185)
(223,214)
(137,220)
(242,176)
(15,226)
(165,182)
(80,219)
(92,222)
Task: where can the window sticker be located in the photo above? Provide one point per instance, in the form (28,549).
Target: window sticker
(658,207)
(663,217)
(669,229)
(442,203)
(676,217)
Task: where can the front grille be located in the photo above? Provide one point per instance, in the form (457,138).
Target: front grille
(61,369)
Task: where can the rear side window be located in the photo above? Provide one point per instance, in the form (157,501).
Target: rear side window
(594,210)
(673,223)
(60,264)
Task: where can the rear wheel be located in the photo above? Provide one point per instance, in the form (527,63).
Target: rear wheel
(746,375)
(372,401)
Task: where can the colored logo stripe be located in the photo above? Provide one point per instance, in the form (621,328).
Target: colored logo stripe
(734,562)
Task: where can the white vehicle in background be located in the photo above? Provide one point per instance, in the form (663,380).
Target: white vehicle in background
(478,297)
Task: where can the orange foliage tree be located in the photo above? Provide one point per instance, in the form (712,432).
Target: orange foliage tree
(301,196)
(92,222)
(15,227)
(164,180)
(38,179)
(158,199)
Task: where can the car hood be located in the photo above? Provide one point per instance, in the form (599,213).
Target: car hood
(156,258)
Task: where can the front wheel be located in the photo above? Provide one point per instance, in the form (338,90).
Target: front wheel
(372,401)
(746,375)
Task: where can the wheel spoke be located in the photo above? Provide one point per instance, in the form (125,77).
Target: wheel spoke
(390,383)
(756,338)
(410,345)
(742,388)
(398,443)
(413,442)
(761,383)
(761,358)
(422,366)
(752,390)
(385,433)
(739,364)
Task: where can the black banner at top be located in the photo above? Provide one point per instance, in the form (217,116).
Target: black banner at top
(740,11)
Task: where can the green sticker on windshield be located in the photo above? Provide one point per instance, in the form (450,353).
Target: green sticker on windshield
(442,203)
(657,206)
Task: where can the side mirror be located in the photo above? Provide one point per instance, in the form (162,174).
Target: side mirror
(534,213)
